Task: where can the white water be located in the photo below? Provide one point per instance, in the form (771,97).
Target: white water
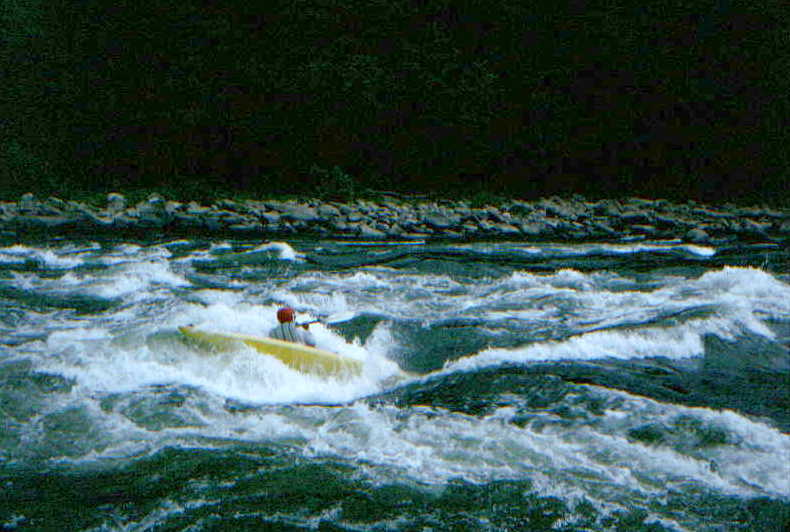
(131,353)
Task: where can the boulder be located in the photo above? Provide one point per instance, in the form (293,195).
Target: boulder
(507,230)
(365,231)
(644,229)
(697,235)
(28,204)
(116,203)
(328,211)
(440,220)
(532,229)
(635,217)
(43,222)
(755,229)
(271,217)
(246,228)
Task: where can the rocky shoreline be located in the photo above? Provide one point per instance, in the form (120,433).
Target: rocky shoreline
(398,218)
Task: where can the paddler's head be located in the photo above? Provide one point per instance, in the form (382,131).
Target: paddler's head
(285,315)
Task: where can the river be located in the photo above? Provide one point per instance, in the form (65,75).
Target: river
(506,386)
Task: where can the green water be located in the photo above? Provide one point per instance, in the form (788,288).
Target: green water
(506,387)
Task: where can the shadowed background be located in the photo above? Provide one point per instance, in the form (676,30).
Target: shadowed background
(605,98)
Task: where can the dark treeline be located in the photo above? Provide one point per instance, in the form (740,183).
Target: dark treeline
(675,99)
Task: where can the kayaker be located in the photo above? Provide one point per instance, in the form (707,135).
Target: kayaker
(288,330)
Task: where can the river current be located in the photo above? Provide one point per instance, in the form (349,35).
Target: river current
(506,386)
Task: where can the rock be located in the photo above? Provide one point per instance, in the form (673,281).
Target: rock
(195,208)
(340,225)
(8,209)
(495,214)
(28,204)
(697,235)
(229,205)
(152,213)
(354,217)
(635,217)
(365,231)
(532,228)
(414,236)
(246,227)
(54,206)
(648,230)
(508,230)
(395,231)
(172,207)
(470,229)
(604,228)
(520,208)
(710,213)
(755,229)
(328,211)
(440,220)
(229,218)
(43,222)
(550,218)
(271,217)
(116,203)
(559,208)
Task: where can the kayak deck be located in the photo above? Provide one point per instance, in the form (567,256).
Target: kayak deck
(302,358)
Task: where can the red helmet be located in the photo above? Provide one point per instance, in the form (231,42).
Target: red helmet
(285,314)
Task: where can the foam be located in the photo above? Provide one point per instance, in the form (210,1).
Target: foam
(19,254)
(591,457)
(551,249)
(677,342)
(136,278)
(283,250)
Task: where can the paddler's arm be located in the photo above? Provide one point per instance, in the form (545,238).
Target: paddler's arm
(307,336)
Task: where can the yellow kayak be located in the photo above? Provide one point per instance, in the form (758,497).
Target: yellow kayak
(300,357)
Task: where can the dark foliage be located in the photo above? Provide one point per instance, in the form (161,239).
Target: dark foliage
(604,98)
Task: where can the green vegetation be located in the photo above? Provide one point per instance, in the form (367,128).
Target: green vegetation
(335,97)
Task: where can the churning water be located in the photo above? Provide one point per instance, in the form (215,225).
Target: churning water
(506,386)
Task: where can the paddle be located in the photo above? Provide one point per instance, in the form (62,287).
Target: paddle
(338,317)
